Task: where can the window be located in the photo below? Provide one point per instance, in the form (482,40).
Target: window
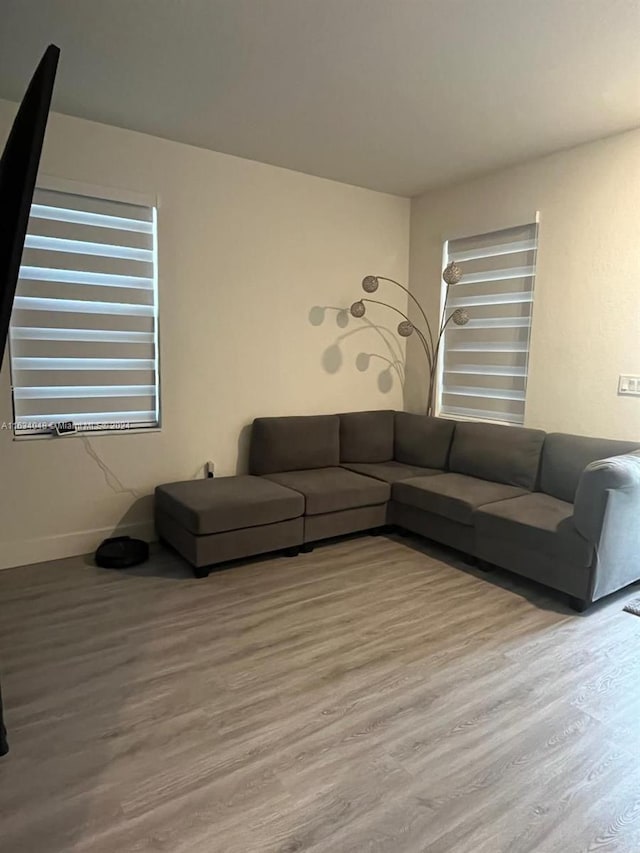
(484,365)
(84,329)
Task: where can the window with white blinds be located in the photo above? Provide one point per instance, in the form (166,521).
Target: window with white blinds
(484,364)
(84,328)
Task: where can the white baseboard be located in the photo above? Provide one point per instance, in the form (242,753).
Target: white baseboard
(23,552)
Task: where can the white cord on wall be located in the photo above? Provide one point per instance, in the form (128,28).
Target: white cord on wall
(111,479)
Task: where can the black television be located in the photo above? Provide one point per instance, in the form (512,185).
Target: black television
(18,171)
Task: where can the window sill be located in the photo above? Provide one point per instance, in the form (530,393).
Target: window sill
(89,433)
(465,419)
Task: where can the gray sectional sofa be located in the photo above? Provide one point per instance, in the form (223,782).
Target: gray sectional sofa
(561,509)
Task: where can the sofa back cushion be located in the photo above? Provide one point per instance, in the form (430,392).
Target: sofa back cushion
(422,440)
(366,436)
(504,454)
(294,443)
(564,458)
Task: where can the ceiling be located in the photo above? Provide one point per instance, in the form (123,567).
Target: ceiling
(396,95)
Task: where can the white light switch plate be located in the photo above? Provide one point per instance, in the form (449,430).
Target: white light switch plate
(629,385)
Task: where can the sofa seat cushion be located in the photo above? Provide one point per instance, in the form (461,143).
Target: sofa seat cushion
(333,489)
(454,496)
(390,472)
(227,503)
(537,522)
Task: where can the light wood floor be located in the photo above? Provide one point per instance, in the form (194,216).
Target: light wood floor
(371,696)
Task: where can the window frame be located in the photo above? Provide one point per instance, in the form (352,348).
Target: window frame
(65,185)
(442,308)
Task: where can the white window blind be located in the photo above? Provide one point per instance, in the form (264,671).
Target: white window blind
(84,326)
(484,365)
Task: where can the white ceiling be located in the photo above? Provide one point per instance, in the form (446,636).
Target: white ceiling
(397,95)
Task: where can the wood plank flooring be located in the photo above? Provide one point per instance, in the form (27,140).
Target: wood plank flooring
(375,695)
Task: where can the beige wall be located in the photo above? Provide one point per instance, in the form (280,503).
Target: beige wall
(586,324)
(246,252)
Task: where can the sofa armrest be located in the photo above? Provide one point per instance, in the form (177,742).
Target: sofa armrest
(607,514)
(601,480)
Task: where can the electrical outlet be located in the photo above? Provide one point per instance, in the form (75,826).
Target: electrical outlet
(210,469)
(629,385)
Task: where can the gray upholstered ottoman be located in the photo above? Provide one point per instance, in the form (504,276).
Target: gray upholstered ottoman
(215,520)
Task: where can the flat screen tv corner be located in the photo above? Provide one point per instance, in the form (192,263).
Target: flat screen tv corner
(18,171)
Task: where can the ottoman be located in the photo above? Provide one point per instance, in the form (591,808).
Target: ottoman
(225,518)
